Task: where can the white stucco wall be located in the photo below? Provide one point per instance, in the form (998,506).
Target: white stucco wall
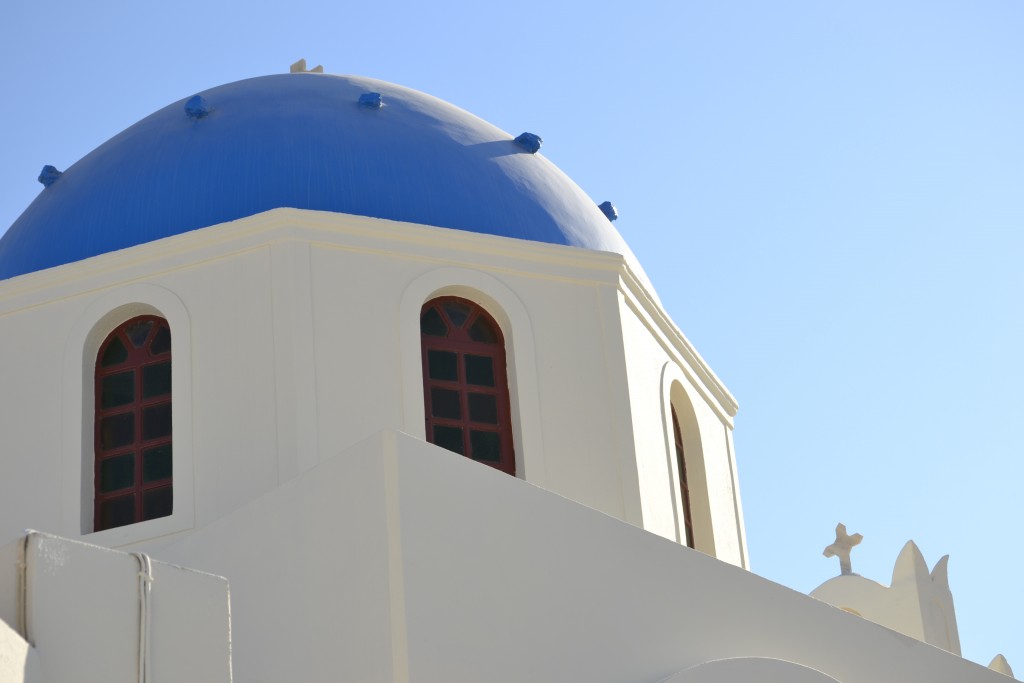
(295,335)
(19,663)
(399,561)
(576,595)
(87,615)
(760,669)
(661,373)
(315,574)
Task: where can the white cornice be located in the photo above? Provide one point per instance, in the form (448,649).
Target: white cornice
(657,320)
(409,240)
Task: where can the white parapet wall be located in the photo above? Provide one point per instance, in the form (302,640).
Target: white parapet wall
(399,561)
(19,663)
(86,613)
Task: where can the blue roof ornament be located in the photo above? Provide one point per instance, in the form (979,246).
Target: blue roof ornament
(371,100)
(49,175)
(529,142)
(608,209)
(196,107)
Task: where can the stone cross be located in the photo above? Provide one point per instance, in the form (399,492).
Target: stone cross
(843,545)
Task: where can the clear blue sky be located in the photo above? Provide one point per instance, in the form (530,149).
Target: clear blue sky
(829,198)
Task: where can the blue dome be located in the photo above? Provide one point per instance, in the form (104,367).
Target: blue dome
(303,141)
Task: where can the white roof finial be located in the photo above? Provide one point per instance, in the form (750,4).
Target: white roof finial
(299,67)
(1000,664)
(843,545)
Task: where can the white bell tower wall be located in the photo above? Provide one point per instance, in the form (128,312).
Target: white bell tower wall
(295,334)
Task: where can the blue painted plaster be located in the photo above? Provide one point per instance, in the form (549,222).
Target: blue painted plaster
(373,100)
(303,141)
(609,210)
(197,107)
(530,142)
(49,175)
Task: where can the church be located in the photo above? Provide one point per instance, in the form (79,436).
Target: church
(316,378)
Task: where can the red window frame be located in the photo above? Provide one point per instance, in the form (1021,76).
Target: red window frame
(684,486)
(132,479)
(456,394)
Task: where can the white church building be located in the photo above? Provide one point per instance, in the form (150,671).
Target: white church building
(319,378)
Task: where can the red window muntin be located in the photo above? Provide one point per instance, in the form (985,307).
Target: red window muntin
(132,432)
(465,382)
(684,485)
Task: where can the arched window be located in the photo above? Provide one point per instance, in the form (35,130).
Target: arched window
(465,383)
(132,480)
(684,486)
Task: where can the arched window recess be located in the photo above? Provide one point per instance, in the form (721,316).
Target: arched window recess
(465,382)
(132,434)
(684,484)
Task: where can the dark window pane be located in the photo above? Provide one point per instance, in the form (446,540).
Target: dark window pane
(117,512)
(156,380)
(432,324)
(449,437)
(117,473)
(114,354)
(156,464)
(161,342)
(463,375)
(116,390)
(137,332)
(479,370)
(157,502)
(483,408)
(483,331)
(117,431)
(445,403)
(457,312)
(443,365)
(486,446)
(156,421)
